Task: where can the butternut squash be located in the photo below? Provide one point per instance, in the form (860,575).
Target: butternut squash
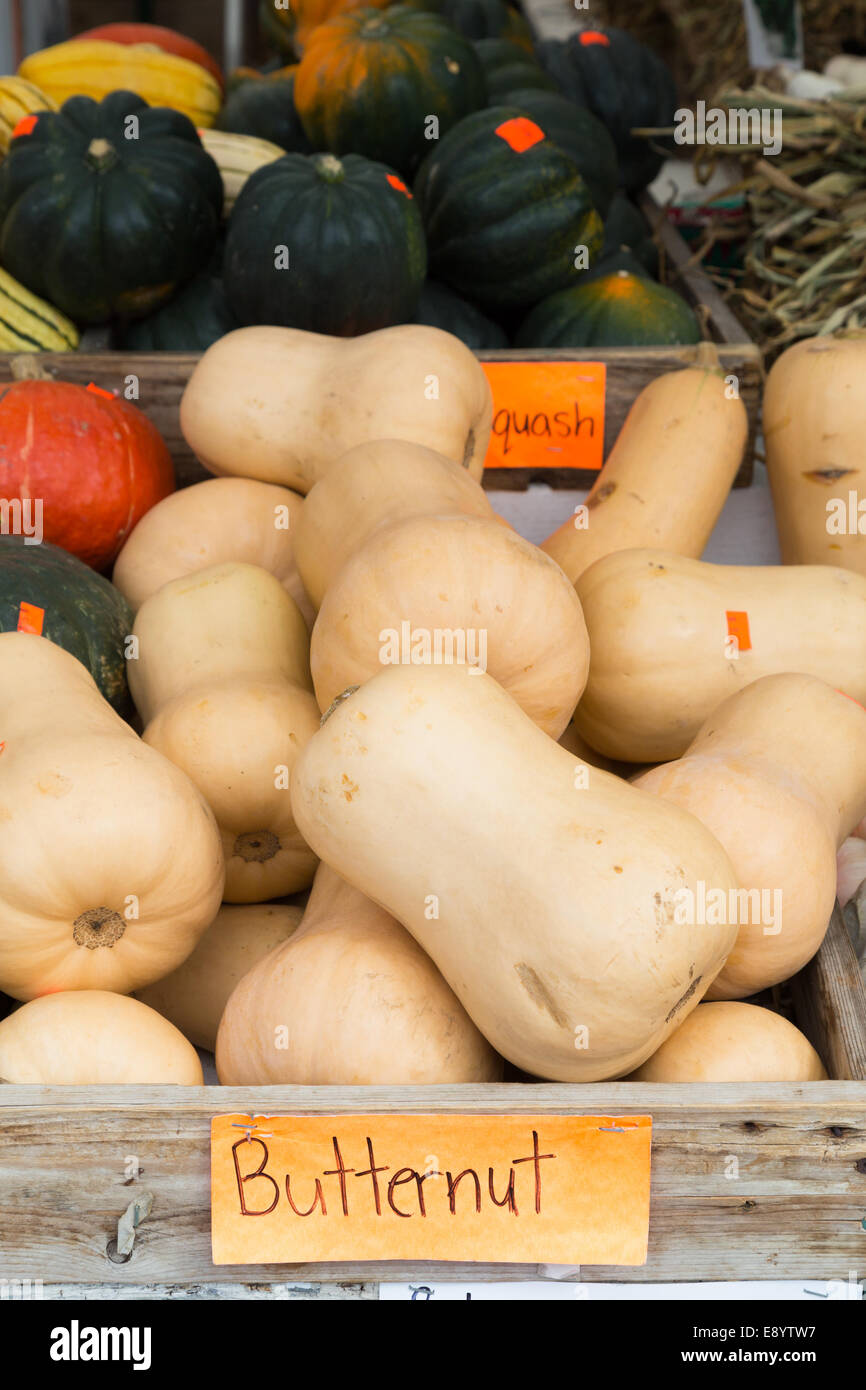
(548,906)
(778,774)
(211,523)
(814,425)
(850,869)
(668,474)
(91,1037)
(110,861)
(726,1042)
(672,637)
(455,588)
(194,996)
(282,405)
(349,1000)
(221,682)
(374,485)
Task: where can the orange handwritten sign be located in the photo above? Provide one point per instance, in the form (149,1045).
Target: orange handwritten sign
(557,1189)
(30,618)
(547,414)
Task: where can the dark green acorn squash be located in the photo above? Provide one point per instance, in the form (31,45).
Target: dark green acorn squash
(504,209)
(486,19)
(581,135)
(626,227)
(616,310)
(100,224)
(440,307)
(508,68)
(265,107)
(622,82)
(354,240)
(83,613)
(195,318)
(371,80)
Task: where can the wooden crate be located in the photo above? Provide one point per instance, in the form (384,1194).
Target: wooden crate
(162,376)
(797,1208)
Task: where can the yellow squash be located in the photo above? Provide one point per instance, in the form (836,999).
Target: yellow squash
(95,67)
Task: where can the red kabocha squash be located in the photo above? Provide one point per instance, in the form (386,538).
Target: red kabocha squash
(96,463)
(169,40)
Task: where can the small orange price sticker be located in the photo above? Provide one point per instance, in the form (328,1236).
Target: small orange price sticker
(520,133)
(398,183)
(592,36)
(30,618)
(24,126)
(547,414)
(738,628)
(557,1189)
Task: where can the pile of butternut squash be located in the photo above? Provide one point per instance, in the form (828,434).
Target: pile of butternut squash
(545,800)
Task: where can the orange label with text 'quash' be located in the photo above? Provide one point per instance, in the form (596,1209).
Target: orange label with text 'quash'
(30,618)
(547,414)
(557,1189)
(738,628)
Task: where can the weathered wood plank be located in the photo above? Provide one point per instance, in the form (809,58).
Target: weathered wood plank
(748,1181)
(830,1000)
(159,378)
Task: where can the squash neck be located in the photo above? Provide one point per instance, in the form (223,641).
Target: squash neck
(101,155)
(803,748)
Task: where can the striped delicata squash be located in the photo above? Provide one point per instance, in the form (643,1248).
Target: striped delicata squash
(31,324)
(18,99)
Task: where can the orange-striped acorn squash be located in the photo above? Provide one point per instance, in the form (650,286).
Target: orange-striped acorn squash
(386,84)
(288,27)
(619,309)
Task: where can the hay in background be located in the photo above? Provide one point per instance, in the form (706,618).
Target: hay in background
(804,236)
(705,40)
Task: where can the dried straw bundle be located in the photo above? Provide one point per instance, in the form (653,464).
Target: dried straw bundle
(804,255)
(705,40)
